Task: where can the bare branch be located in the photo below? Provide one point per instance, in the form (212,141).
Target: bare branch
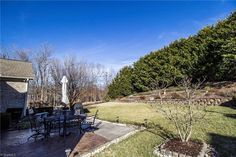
(184,116)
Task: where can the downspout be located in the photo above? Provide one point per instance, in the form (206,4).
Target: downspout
(26,98)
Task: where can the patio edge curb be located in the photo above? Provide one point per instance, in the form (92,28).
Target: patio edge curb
(106,145)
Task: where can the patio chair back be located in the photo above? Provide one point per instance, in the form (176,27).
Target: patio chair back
(57,112)
(87,124)
(67,113)
(94,118)
(78,108)
(35,123)
(36,126)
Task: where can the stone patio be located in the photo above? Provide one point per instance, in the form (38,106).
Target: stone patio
(14,143)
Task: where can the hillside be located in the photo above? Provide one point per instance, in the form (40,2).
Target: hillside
(210,54)
(217,93)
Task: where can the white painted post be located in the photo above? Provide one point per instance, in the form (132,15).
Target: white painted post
(26,98)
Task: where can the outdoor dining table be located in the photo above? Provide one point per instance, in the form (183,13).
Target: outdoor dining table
(62,118)
(48,123)
(66,116)
(41,115)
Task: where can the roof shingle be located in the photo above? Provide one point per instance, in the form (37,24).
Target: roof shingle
(16,69)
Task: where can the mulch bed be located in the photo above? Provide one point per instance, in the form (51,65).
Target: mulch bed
(88,142)
(191,148)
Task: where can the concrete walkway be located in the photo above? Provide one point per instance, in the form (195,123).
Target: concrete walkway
(106,133)
(111,131)
(15,143)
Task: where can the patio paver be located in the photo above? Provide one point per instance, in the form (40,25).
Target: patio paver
(15,142)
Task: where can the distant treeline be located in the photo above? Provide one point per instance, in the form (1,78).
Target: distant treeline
(87,82)
(211,54)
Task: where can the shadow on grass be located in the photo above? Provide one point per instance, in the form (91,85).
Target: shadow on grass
(86,110)
(160,131)
(225,114)
(214,112)
(224,145)
(230,115)
(230,104)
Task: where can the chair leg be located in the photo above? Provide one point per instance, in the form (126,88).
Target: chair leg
(32,136)
(36,135)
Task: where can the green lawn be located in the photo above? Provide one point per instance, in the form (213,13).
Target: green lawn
(218,129)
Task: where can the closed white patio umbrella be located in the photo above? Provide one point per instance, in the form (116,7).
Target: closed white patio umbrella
(64,82)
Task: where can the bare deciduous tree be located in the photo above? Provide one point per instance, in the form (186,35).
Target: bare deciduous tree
(4,53)
(185,115)
(42,61)
(94,75)
(160,86)
(86,82)
(107,76)
(77,76)
(56,72)
(22,55)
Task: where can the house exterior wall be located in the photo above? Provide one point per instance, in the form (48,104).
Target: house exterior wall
(13,94)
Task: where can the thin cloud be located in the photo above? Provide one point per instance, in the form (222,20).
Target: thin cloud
(172,35)
(210,20)
(128,61)
(160,36)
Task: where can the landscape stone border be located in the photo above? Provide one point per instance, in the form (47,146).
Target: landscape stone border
(160,151)
(137,127)
(210,101)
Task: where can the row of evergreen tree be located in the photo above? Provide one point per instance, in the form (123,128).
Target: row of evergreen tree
(211,54)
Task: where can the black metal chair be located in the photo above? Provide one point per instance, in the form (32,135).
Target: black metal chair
(89,122)
(56,112)
(62,120)
(73,121)
(78,108)
(53,124)
(36,125)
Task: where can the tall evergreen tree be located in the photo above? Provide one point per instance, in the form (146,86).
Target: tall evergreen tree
(121,85)
(211,53)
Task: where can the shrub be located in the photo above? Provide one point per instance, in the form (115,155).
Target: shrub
(207,88)
(142,98)
(176,96)
(107,98)
(119,97)
(223,94)
(234,99)
(23,125)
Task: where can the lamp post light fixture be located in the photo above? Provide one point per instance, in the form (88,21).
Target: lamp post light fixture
(67,151)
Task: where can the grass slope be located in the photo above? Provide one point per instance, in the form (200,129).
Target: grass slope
(219,128)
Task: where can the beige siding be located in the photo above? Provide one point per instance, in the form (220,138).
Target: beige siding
(13,94)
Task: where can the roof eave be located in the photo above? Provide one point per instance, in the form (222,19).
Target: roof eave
(18,77)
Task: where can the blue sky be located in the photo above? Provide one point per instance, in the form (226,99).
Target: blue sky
(111,33)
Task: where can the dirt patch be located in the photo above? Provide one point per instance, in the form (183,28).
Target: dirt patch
(191,148)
